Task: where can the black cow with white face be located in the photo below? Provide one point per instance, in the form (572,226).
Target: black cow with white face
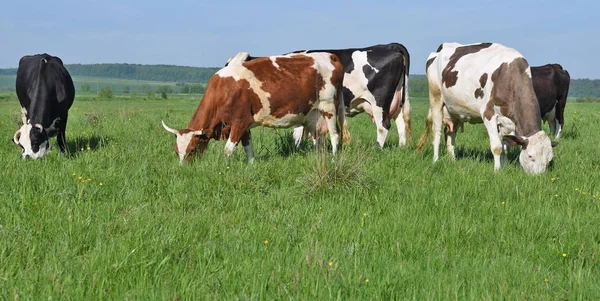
(551,85)
(376,82)
(46,92)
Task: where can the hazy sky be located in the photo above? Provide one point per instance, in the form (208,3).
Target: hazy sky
(206,33)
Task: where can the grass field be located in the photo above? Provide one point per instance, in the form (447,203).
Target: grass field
(119,219)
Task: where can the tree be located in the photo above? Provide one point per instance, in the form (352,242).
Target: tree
(125,89)
(163,95)
(85,87)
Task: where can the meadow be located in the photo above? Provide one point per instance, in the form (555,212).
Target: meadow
(119,219)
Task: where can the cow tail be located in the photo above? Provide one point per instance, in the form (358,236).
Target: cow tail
(428,126)
(346,137)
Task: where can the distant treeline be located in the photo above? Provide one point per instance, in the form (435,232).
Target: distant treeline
(163,73)
(184,75)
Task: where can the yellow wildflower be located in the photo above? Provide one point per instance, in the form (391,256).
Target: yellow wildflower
(502,203)
(546,280)
(100,183)
(367,280)
(266,241)
(331,263)
(365,214)
(564,254)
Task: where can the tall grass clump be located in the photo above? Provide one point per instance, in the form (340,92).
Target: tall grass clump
(339,171)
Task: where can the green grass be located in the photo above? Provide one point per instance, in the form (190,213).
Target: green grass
(401,228)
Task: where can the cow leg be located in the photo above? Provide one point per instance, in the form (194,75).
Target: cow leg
(401,125)
(450,133)
(61,136)
(334,135)
(495,143)
(247,143)
(382,131)
(550,117)
(558,128)
(298,135)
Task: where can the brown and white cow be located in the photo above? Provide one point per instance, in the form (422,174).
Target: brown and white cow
(551,86)
(277,91)
(487,83)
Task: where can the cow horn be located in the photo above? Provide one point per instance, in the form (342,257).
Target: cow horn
(170,130)
(17,136)
(198,132)
(39,126)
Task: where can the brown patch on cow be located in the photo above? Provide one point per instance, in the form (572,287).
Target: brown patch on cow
(429,62)
(327,115)
(479,93)
(440,47)
(287,98)
(483,80)
(449,77)
(513,93)
(225,99)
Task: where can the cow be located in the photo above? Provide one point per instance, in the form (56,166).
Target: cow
(46,92)
(375,81)
(277,91)
(551,86)
(491,84)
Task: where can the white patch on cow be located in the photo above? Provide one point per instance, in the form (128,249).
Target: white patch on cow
(558,128)
(274,60)
(24,115)
(238,59)
(356,81)
(183,141)
(25,142)
(229,147)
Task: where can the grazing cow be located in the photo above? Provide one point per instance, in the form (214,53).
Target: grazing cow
(376,82)
(551,85)
(487,83)
(277,91)
(46,92)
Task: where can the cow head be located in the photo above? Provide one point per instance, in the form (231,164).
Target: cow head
(189,143)
(34,139)
(536,151)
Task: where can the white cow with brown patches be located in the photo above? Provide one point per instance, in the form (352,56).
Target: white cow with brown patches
(278,91)
(491,84)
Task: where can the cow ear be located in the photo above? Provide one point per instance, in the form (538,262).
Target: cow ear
(53,129)
(513,140)
(554,143)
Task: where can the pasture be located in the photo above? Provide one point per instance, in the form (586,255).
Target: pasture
(118,218)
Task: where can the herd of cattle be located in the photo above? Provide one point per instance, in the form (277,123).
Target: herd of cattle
(314,91)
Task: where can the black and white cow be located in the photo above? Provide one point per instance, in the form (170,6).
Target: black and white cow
(46,92)
(375,81)
(551,85)
(491,84)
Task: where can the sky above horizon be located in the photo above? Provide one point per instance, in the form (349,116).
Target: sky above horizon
(207,33)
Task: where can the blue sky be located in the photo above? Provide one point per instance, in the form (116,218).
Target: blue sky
(207,33)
